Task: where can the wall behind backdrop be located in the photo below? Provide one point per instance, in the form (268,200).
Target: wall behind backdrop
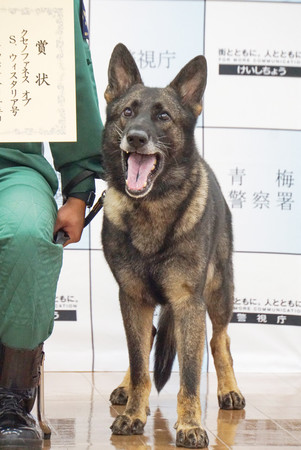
(249,132)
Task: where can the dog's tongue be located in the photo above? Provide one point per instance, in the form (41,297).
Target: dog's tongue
(139,167)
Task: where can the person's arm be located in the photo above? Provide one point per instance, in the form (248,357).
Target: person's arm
(72,159)
(70,218)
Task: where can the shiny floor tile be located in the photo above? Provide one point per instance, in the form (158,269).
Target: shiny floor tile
(80,414)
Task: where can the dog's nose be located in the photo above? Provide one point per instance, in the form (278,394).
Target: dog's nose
(137,138)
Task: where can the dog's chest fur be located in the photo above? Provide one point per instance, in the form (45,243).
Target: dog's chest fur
(146,224)
(155,225)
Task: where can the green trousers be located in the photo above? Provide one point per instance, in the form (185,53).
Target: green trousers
(30,263)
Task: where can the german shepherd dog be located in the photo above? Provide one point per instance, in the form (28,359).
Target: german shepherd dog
(168,241)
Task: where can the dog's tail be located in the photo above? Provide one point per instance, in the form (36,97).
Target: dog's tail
(165,347)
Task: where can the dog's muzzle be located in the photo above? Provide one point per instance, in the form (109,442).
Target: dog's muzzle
(141,162)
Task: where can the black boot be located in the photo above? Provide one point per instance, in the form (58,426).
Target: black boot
(19,378)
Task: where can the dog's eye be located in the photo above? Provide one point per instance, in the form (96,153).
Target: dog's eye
(127,112)
(164,116)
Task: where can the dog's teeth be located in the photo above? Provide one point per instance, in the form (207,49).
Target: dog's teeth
(144,186)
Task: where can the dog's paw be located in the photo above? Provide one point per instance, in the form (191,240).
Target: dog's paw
(126,426)
(192,438)
(119,396)
(232,400)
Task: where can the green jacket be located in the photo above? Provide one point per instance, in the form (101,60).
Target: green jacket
(70,158)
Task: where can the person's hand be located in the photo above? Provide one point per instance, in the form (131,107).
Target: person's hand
(71,218)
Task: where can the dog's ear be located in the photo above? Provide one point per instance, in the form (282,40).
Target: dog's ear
(122,73)
(190,83)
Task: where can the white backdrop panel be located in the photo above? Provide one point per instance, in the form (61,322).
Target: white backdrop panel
(162,36)
(260,174)
(260,281)
(70,347)
(253,39)
(247,158)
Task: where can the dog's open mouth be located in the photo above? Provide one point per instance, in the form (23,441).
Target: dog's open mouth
(140,171)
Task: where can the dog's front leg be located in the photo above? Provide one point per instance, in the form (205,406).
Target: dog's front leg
(189,316)
(137,319)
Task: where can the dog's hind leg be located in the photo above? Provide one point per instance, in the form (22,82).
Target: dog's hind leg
(137,319)
(120,395)
(229,395)
(219,299)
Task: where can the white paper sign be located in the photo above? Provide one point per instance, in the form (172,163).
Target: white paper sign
(37,71)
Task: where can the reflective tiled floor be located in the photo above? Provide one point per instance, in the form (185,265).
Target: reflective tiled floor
(78,409)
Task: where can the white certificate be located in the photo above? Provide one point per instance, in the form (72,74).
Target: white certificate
(37,71)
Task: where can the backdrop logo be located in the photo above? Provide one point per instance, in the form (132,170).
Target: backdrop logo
(65,315)
(151,59)
(282,196)
(267,311)
(66,308)
(266,319)
(270,63)
(256,70)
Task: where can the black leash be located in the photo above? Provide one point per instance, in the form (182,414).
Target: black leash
(75,181)
(95,210)
(61,236)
